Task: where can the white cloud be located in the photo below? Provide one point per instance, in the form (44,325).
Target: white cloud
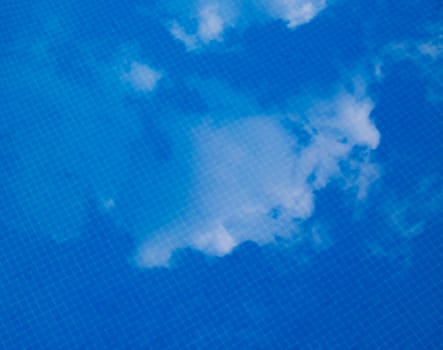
(215,17)
(295,12)
(141,77)
(253,178)
(354,122)
(211,23)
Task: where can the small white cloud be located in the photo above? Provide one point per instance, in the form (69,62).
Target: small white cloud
(213,18)
(295,12)
(141,77)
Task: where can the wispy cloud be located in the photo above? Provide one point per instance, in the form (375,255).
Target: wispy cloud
(410,215)
(213,18)
(426,53)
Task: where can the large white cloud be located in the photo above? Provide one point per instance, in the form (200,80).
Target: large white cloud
(218,182)
(207,20)
(254,177)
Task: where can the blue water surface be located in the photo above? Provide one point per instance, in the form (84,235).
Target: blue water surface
(95,161)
